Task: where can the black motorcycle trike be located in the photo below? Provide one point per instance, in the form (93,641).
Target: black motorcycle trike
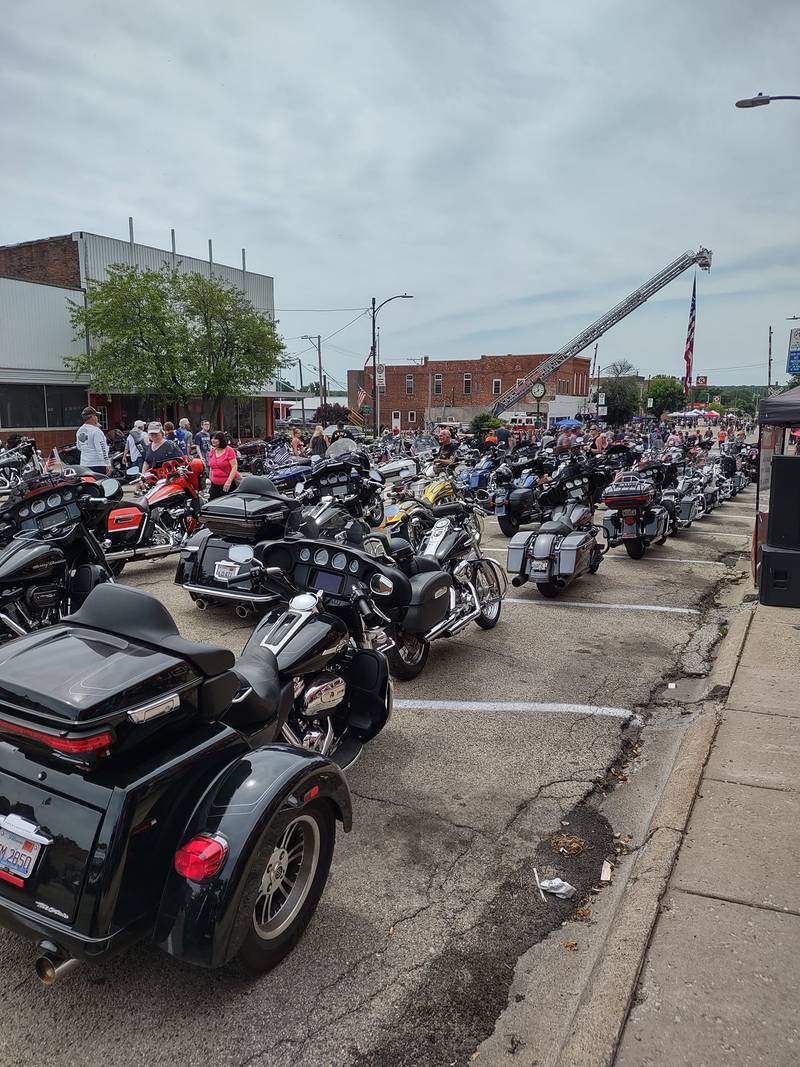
(152,787)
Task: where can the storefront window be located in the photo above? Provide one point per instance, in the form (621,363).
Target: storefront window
(64,404)
(23,406)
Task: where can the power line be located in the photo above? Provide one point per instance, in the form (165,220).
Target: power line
(287,311)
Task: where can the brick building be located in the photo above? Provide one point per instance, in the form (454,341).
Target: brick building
(459,389)
(38,394)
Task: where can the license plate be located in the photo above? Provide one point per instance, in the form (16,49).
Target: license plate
(540,565)
(628,511)
(224,570)
(17,855)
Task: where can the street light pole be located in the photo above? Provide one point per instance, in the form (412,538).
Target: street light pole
(375,310)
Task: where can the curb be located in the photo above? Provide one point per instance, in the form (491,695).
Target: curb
(600,1015)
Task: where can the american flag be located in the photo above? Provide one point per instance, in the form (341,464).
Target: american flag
(688,353)
(280,456)
(362,397)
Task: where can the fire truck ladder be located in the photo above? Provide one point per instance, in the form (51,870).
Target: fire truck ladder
(701,258)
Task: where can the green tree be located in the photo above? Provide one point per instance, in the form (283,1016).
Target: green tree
(178,336)
(481,424)
(326,414)
(622,391)
(667,394)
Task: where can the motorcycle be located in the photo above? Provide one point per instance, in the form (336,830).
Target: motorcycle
(51,557)
(513,487)
(160,521)
(345,475)
(155,788)
(565,546)
(18,458)
(635,517)
(451,585)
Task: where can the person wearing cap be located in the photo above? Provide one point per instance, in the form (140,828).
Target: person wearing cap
(136,445)
(92,443)
(160,448)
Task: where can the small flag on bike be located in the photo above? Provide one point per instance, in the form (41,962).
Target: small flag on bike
(688,353)
(280,455)
(53,460)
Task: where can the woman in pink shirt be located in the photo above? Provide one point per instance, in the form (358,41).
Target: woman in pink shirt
(224,468)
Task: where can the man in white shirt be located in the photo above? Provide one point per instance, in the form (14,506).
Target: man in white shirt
(92,443)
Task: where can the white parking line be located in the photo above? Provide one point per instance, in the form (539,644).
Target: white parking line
(513,707)
(557,603)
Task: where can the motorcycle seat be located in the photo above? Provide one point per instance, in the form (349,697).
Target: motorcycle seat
(257,668)
(442,511)
(139,617)
(556,526)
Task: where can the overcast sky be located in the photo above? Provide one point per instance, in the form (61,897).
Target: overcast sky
(518,166)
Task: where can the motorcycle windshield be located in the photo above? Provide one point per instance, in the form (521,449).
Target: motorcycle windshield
(340,448)
(325,522)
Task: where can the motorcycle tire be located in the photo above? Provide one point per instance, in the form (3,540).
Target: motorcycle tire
(266,940)
(116,567)
(508,525)
(257,467)
(548,589)
(488,620)
(635,549)
(404,668)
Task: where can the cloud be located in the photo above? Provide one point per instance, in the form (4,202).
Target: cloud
(518,167)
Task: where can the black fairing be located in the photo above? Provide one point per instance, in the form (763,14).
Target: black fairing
(308,649)
(520,502)
(368,685)
(30,560)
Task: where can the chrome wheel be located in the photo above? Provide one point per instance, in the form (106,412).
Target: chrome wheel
(489,596)
(288,878)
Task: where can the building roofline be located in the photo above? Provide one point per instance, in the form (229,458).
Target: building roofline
(36,241)
(77,234)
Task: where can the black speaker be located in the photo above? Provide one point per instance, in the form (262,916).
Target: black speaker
(780,577)
(783,529)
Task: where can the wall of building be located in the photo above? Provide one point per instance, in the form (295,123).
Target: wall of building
(35,332)
(53,260)
(462,388)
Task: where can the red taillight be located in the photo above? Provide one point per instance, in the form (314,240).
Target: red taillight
(313,792)
(73,746)
(200,858)
(12,878)
(630,520)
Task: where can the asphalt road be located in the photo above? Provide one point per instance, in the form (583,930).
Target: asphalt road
(431,898)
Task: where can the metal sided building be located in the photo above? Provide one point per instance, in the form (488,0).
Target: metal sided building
(37,278)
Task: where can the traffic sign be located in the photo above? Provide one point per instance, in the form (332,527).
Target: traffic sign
(381,376)
(701,379)
(649,401)
(717,399)
(602,410)
(793,358)
(601,399)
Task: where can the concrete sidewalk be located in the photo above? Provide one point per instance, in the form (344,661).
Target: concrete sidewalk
(721,979)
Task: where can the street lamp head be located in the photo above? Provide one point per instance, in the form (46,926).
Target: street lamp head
(754,101)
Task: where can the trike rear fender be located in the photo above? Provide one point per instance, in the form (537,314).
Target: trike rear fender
(196,921)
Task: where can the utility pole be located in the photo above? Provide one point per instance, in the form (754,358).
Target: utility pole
(374,374)
(769,363)
(377,385)
(302,400)
(597,394)
(428,412)
(319,364)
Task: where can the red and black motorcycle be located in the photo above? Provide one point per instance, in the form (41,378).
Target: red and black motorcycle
(160,521)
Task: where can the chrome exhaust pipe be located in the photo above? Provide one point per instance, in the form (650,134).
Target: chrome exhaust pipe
(518,580)
(243,611)
(47,969)
(201,604)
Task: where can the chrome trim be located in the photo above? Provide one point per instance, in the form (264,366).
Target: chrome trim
(299,622)
(143,553)
(210,593)
(14,627)
(323,694)
(154,709)
(16,824)
(242,695)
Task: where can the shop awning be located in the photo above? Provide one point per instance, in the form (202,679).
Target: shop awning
(781,410)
